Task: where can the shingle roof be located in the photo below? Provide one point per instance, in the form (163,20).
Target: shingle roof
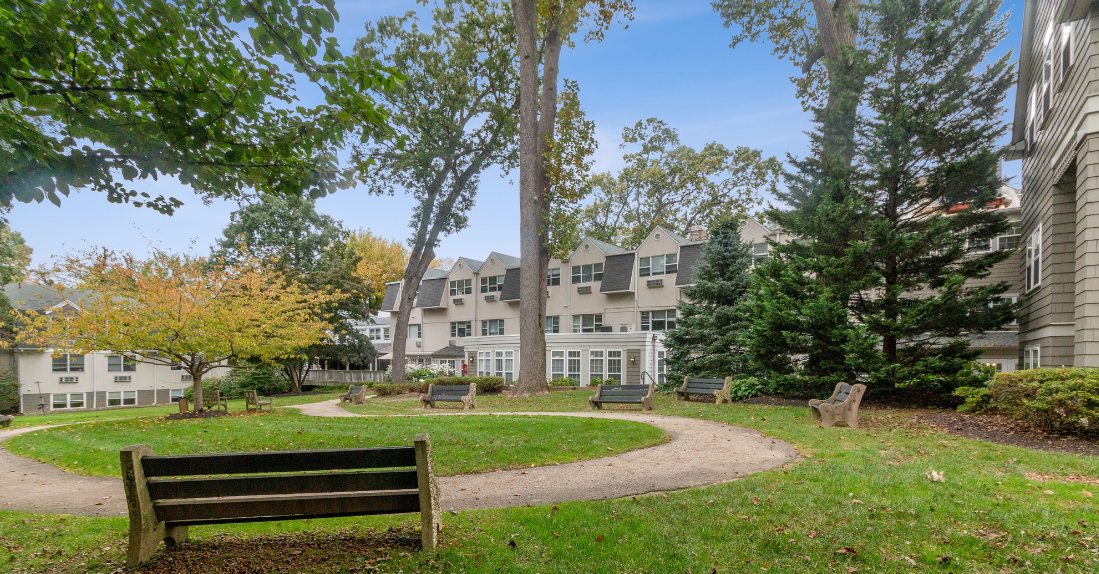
(389,302)
(433,273)
(431,293)
(473,264)
(995,339)
(617,273)
(511,285)
(28,297)
(450,351)
(689,257)
(605,247)
(507,261)
(674,236)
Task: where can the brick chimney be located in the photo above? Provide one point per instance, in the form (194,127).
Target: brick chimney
(698,233)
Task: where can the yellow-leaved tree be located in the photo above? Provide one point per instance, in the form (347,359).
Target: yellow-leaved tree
(383,260)
(179,310)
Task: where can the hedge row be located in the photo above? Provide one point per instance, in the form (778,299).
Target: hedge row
(1054,400)
(484,385)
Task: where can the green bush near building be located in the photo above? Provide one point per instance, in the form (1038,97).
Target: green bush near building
(1054,400)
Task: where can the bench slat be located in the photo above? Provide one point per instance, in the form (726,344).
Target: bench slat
(177,488)
(445,398)
(279,461)
(463,388)
(705,385)
(607,393)
(249,508)
(626,387)
(618,400)
(700,391)
(689,381)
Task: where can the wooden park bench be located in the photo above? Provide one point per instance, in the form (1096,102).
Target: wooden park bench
(719,389)
(842,406)
(5,421)
(356,395)
(252,401)
(212,400)
(623,394)
(167,494)
(465,394)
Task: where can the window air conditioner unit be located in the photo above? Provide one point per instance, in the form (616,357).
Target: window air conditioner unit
(419,343)
(69,380)
(655,282)
(584,289)
(122,379)
(490,297)
(458,301)
(186,378)
(624,328)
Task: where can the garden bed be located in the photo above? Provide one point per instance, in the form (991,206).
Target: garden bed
(1001,429)
(186,415)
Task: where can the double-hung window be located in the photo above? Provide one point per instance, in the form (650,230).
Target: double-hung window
(659,265)
(574,366)
(1009,241)
(658,320)
(121,398)
(484,363)
(596,362)
(1032,357)
(461,287)
(614,365)
(553,277)
(67,401)
(492,327)
(1066,51)
(415,331)
(1034,259)
(120,364)
(505,365)
(553,324)
(68,363)
(759,253)
(492,284)
(557,364)
(461,329)
(174,395)
(661,367)
(587,273)
(587,323)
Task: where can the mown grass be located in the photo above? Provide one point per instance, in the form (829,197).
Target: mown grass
(460,444)
(410,404)
(865,490)
(123,413)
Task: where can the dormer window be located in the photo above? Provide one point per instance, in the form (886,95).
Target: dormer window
(659,265)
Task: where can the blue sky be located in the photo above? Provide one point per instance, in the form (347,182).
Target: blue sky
(672,63)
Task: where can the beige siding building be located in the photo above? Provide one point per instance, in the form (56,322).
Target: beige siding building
(1056,135)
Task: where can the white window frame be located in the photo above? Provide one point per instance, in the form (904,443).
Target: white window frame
(597,364)
(1067,45)
(555,372)
(553,277)
(484,363)
(460,329)
(666,317)
(71,366)
(174,395)
(419,330)
(1034,260)
(653,265)
(758,257)
(490,325)
(461,287)
(1011,299)
(493,284)
(614,364)
(67,402)
(122,364)
(570,357)
(552,324)
(1032,357)
(589,273)
(1013,237)
(578,323)
(661,367)
(121,398)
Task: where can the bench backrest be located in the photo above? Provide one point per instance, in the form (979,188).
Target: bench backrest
(845,391)
(211,397)
(708,385)
(450,390)
(354,390)
(198,488)
(623,390)
(250,396)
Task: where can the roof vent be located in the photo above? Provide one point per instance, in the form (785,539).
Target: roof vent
(656,236)
(587,247)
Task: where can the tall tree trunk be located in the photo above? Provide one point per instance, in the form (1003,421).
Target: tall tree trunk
(413,274)
(532,337)
(196,386)
(838,28)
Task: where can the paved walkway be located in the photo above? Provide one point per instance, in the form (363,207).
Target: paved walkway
(699,453)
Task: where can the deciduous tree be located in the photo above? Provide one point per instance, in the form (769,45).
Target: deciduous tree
(90,90)
(181,310)
(455,115)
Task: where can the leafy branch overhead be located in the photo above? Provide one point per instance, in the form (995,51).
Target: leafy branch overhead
(94,93)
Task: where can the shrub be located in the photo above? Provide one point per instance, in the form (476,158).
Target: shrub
(266,380)
(597,381)
(562,382)
(484,384)
(745,388)
(416,373)
(1057,400)
(388,389)
(977,399)
(9,392)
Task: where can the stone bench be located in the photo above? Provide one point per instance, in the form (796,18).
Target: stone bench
(842,406)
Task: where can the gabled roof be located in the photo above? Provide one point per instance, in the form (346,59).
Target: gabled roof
(508,261)
(472,264)
(605,247)
(617,273)
(29,297)
(672,235)
(433,273)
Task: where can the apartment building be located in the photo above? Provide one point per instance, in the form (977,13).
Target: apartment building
(49,381)
(606,314)
(1056,136)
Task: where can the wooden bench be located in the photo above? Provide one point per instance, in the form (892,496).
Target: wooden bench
(842,406)
(252,401)
(719,389)
(306,486)
(5,421)
(623,394)
(212,400)
(356,395)
(465,394)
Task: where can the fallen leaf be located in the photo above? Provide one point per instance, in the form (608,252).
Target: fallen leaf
(846,550)
(599,538)
(936,476)
(812,534)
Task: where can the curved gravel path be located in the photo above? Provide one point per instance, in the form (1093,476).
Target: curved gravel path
(699,453)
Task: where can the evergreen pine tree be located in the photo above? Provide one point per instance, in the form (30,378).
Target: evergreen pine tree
(707,339)
(882,285)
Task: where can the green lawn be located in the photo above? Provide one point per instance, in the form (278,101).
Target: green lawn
(121,413)
(864,490)
(460,444)
(410,404)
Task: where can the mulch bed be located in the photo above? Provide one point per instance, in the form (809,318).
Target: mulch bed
(1003,430)
(194,415)
(346,550)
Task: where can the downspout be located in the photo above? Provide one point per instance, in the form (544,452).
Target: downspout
(95,396)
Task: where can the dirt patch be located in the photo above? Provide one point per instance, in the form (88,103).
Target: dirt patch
(1003,430)
(204,414)
(343,550)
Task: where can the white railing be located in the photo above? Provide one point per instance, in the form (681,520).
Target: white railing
(348,377)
